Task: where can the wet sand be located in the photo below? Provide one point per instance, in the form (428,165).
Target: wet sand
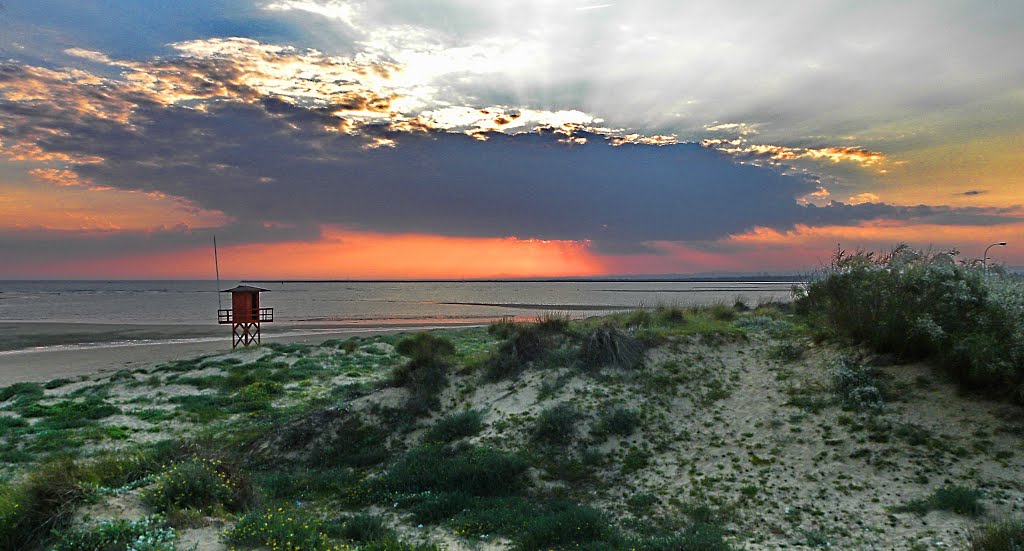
(69,350)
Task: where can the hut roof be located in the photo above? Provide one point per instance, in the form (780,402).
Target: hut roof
(244,289)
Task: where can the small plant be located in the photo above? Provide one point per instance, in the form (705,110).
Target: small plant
(198,483)
(1003,535)
(455,426)
(956,499)
(786,352)
(556,426)
(858,386)
(364,528)
(553,323)
(635,459)
(617,421)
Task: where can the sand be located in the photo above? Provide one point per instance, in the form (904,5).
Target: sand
(70,350)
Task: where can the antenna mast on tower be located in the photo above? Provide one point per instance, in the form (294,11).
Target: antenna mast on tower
(216,266)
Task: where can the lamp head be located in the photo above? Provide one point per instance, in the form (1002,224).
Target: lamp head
(1001,243)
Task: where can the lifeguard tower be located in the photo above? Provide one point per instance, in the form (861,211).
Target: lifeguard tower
(245,315)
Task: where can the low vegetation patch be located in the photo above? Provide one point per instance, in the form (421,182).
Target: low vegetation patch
(455,426)
(148,533)
(955,499)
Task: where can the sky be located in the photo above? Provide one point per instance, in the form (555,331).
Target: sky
(338,139)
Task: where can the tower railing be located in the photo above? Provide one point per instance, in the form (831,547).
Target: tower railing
(227,315)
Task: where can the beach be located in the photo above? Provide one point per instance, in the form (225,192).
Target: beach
(40,351)
(65,329)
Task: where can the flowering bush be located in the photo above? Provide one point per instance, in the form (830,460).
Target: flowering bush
(197,483)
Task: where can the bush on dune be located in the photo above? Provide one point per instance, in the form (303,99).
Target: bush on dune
(918,305)
(425,374)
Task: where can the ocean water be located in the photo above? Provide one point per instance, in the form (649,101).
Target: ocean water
(320,303)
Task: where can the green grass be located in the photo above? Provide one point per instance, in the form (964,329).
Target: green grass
(21,394)
(1000,535)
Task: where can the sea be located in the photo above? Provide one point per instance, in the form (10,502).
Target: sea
(350,303)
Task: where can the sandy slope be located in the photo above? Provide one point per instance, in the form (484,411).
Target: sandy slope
(761,441)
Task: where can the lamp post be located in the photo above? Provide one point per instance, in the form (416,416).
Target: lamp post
(984,261)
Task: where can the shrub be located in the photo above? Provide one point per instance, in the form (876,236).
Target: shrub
(364,528)
(917,305)
(607,346)
(525,344)
(615,420)
(956,499)
(670,314)
(455,426)
(858,386)
(425,372)
(198,483)
(43,502)
(556,425)
(1004,535)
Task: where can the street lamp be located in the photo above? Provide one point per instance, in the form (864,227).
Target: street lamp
(984,261)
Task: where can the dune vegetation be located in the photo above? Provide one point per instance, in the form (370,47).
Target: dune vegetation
(864,415)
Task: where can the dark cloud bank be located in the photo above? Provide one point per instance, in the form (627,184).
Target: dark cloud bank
(271,162)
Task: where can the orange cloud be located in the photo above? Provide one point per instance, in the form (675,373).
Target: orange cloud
(70,206)
(856,155)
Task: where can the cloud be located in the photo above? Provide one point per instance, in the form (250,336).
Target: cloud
(848,154)
(290,141)
(862,198)
(974,192)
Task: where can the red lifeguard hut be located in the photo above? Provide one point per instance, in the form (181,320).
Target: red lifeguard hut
(245,315)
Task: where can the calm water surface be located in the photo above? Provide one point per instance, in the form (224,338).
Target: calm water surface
(195,302)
